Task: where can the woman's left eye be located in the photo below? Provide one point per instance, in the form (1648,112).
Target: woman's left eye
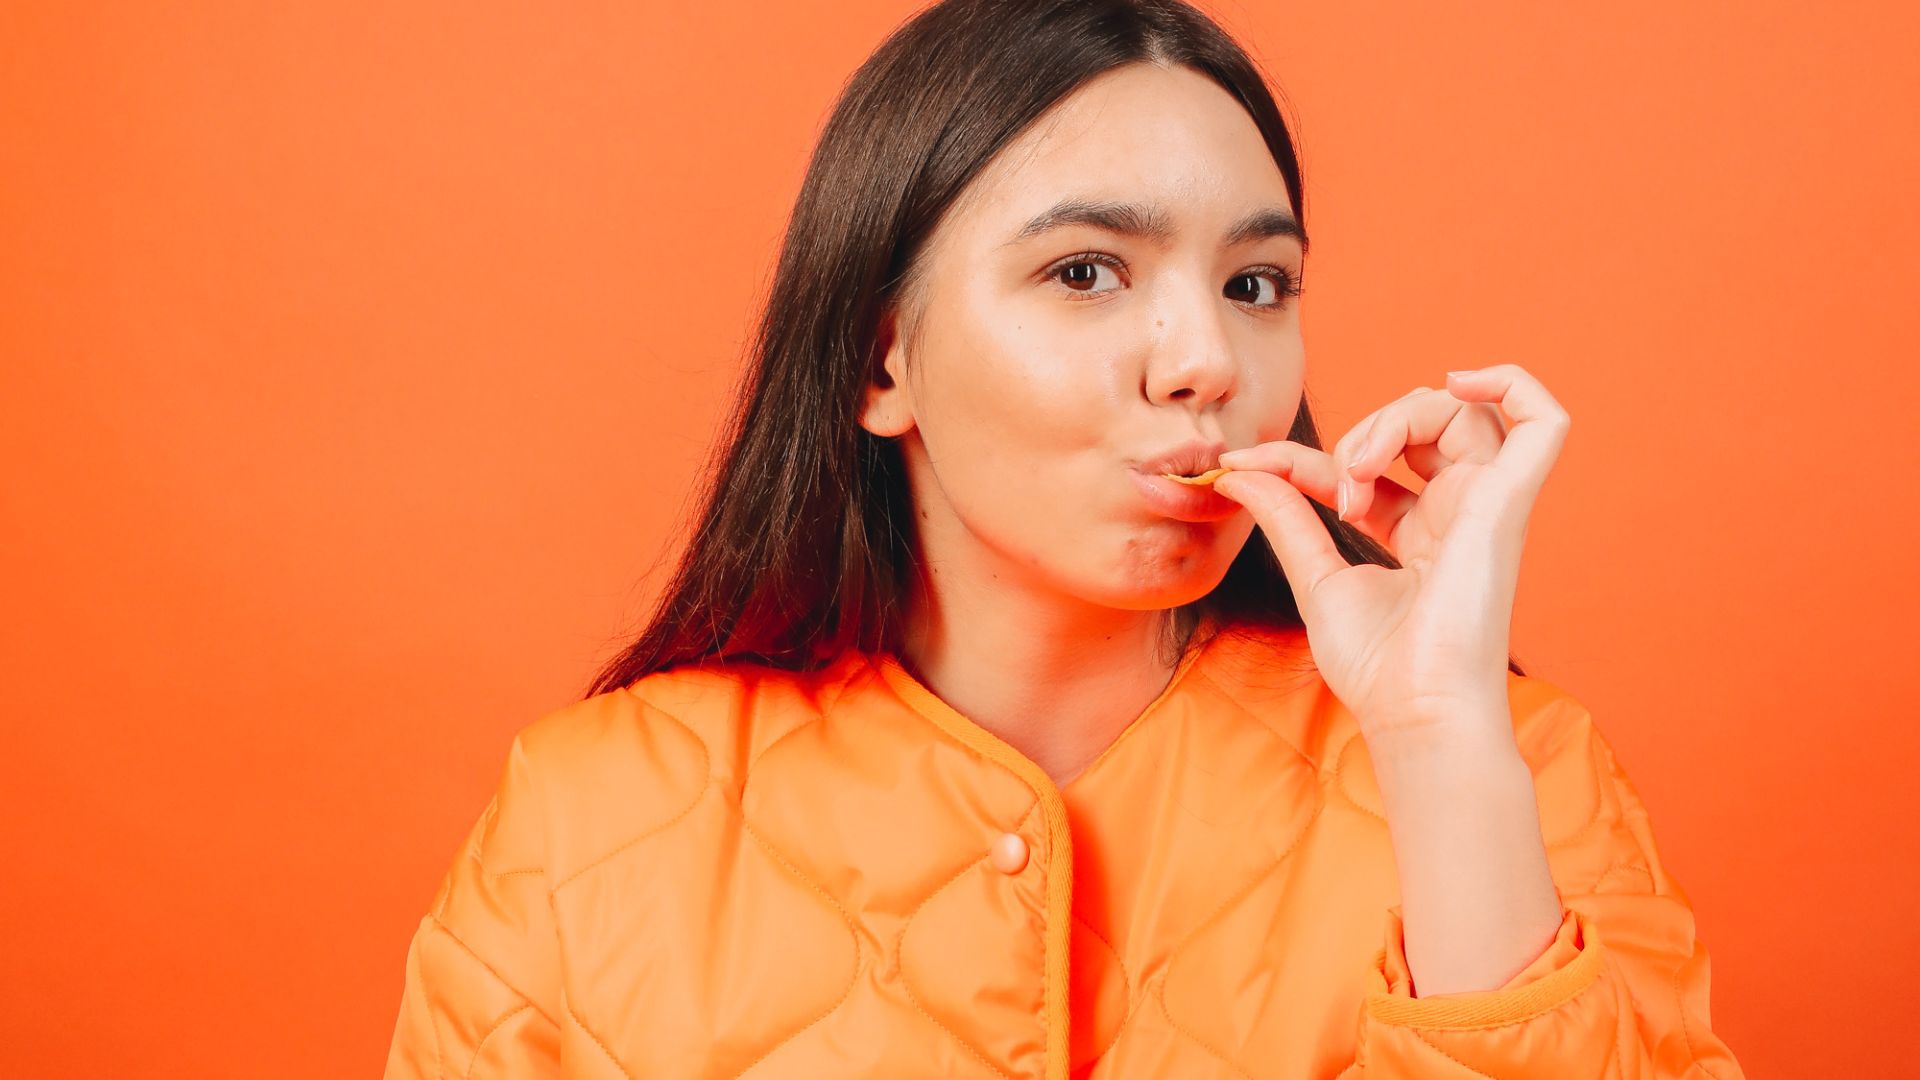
(1281,285)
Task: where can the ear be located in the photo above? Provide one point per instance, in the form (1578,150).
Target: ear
(888,408)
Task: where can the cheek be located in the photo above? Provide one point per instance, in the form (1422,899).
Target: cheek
(1281,416)
(1014,440)
(1023,377)
(1273,392)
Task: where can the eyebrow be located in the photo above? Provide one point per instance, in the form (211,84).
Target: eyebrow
(1150,223)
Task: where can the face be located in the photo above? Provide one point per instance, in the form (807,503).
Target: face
(1045,369)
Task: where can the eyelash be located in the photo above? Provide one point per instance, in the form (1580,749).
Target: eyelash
(1290,286)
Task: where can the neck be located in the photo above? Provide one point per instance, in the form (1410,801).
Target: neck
(1057,683)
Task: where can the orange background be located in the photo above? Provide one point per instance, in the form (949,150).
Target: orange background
(359,358)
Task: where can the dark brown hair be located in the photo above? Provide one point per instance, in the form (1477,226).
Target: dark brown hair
(805,532)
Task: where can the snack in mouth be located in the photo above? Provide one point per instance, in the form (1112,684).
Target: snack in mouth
(1204,479)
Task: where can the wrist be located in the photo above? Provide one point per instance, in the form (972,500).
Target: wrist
(1446,740)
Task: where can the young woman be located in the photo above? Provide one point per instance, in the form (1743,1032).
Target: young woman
(979,735)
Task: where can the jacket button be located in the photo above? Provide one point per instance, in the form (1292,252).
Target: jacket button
(1009,853)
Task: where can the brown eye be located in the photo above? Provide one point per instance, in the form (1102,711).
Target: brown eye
(1083,274)
(1281,286)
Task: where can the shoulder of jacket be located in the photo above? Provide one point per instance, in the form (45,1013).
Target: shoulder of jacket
(1256,664)
(1584,795)
(1549,722)
(622,765)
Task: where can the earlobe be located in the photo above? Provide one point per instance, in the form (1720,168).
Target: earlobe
(886,411)
(883,412)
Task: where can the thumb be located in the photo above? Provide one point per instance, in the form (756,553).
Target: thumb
(1294,530)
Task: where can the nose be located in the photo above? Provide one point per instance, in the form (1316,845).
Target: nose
(1192,359)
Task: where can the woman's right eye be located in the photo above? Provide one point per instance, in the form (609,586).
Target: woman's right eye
(1082,273)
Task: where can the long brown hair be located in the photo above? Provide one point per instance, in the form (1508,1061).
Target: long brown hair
(805,529)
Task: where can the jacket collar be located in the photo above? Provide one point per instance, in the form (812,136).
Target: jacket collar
(916,696)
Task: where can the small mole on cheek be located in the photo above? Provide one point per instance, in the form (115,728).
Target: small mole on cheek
(1159,324)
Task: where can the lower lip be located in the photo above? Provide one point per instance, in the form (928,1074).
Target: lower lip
(1186,502)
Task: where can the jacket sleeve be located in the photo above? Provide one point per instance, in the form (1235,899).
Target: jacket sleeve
(481,996)
(1619,993)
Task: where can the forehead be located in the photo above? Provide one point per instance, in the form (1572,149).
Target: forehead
(1139,133)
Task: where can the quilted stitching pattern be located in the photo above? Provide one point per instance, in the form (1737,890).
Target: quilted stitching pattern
(879,911)
(977,872)
(750,873)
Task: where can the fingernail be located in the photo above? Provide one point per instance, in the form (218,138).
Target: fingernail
(1232,456)
(1462,374)
(1340,500)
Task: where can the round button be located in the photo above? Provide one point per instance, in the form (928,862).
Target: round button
(1009,852)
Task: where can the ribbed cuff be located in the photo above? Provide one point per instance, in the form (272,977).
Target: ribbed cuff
(1570,964)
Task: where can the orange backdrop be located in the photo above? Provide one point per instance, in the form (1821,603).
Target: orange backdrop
(359,359)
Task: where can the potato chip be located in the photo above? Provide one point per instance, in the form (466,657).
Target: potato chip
(1204,479)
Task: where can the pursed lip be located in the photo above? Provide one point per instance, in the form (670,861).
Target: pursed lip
(1183,502)
(1190,458)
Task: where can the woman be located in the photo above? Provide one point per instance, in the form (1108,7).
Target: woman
(977,734)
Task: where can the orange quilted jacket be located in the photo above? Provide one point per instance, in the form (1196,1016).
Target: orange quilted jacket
(729,870)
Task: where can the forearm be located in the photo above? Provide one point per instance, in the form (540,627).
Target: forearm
(1477,899)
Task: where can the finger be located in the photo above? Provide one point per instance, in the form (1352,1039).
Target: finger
(1458,430)
(1315,474)
(1293,528)
(1432,429)
(1538,427)
(1383,502)
(1473,427)
(1308,469)
(1425,459)
(1358,433)
(1343,448)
